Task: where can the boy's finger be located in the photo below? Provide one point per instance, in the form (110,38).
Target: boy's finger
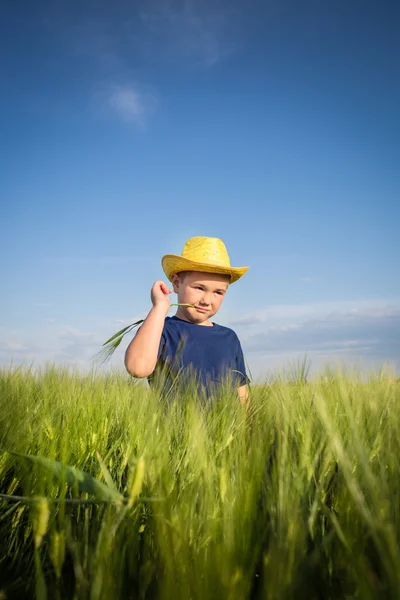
(165,289)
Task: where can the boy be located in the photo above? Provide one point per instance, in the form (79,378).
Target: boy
(189,341)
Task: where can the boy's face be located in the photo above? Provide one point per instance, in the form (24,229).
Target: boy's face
(205,291)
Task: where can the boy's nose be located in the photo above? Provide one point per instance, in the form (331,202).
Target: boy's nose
(205,299)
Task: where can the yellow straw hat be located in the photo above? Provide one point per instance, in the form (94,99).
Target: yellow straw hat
(205,254)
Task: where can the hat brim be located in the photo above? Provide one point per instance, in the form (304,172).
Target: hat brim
(173,263)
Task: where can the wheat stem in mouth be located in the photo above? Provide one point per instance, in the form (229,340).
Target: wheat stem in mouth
(109,347)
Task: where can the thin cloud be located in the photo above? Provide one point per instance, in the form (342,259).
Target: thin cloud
(289,313)
(130,321)
(196,31)
(93,37)
(189,32)
(73,334)
(17,347)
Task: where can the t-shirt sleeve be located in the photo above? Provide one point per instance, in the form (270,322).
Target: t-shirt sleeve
(240,366)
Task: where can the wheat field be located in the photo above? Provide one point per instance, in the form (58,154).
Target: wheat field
(110,492)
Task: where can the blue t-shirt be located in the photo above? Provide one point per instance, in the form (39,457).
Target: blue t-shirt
(213,354)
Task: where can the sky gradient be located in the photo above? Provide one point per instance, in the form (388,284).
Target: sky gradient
(128,127)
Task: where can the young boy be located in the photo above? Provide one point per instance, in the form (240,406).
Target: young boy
(190,341)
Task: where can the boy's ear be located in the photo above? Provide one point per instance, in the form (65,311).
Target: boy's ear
(175,282)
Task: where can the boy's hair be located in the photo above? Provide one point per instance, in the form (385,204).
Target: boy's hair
(182,274)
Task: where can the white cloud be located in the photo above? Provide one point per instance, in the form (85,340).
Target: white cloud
(130,102)
(60,344)
(16,351)
(353,332)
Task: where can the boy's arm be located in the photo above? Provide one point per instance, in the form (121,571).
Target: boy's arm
(243,390)
(244,395)
(141,354)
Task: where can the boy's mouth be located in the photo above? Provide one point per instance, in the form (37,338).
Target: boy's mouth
(203,310)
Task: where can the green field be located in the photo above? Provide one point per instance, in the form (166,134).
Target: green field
(297,498)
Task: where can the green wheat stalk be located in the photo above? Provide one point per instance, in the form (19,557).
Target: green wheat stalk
(73,476)
(109,347)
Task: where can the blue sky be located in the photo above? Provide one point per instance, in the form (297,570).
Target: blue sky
(128,127)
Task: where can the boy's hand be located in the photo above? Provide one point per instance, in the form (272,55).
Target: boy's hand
(159,295)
